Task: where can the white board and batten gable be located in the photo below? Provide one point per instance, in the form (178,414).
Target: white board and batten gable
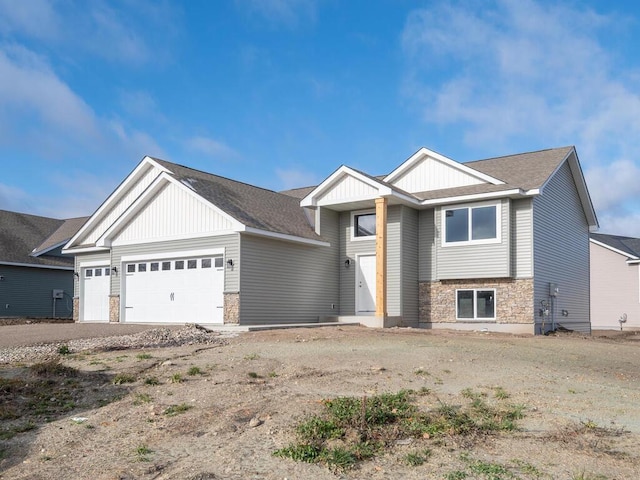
(349,189)
(426,170)
(137,212)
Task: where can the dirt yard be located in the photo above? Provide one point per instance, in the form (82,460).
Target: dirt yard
(220,410)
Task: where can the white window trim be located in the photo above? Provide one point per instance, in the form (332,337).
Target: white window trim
(475,317)
(486,241)
(354,238)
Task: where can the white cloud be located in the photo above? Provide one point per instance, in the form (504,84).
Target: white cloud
(33,96)
(35,18)
(209,147)
(295,178)
(516,72)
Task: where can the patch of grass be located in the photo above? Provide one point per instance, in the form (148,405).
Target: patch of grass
(64,350)
(122,378)
(253,375)
(490,470)
(142,398)
(151,381)
(456,475)
(142,453)
(194,371)
(527,468)
(421,372)
(252,356)
(8,433)
(351,429)
(52,368)
(120,358)
(415,459)
(173,410)
(176,378)
(144,356)
(500,393)
(272,374)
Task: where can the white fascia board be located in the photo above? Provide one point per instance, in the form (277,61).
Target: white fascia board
(475,197)
(114,197)
(91,249)
(609,247)
(285,237)
(163,179)
(633,262)
(311,199)
(425,152)
(31,265)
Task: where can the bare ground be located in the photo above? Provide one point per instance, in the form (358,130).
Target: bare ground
(581,401)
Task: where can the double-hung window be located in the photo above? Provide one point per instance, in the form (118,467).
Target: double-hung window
(473,224)
(476,304)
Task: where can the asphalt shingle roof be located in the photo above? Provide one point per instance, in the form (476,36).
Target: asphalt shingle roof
(628,245)
(21,233)
(252,206)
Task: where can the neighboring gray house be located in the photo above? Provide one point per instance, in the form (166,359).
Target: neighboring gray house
(500,244)
(36,280)
(615,282)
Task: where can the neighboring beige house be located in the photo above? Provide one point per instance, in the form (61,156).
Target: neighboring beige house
(615,282)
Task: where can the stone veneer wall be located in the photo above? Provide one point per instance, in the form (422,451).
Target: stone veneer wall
(114,308)
(514,299)
(231,308)
(76,309)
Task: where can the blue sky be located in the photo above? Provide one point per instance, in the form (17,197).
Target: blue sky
(279,93)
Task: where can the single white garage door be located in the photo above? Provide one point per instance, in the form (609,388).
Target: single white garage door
(95,294)
(184,290)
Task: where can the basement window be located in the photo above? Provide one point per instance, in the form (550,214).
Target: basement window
(476,304)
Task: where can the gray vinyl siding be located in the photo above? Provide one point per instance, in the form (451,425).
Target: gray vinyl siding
(348,275)
(230,243)
(475,261)
(409,267)
(426,245)
(561,251)
(286,282)
(522,238)
(27,292)
(394,261)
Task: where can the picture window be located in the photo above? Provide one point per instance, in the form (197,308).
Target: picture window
(364,225)
(471,224)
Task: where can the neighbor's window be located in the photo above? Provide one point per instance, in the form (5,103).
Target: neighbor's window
(364,225)
(476,304)
(471,224)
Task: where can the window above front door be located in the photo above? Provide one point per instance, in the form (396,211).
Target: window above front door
(363,225)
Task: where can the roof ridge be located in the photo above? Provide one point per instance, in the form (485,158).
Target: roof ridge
(33,215)
(219,176)
(517,154)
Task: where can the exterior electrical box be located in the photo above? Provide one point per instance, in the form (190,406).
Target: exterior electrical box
(57,293)
(554,290)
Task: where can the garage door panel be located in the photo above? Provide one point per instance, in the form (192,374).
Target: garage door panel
(95,294)
(185,290)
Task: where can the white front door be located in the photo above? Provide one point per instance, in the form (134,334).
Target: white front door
(185,290)
(366,284)
(95,294)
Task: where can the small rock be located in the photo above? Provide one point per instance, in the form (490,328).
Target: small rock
(378,369)
(167,363)
(255,422)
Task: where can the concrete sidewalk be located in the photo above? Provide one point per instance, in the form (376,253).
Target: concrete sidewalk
(36,333)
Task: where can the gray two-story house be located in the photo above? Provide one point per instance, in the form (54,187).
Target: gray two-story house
(500,244)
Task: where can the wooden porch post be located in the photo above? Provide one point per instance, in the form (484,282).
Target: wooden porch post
(381,257)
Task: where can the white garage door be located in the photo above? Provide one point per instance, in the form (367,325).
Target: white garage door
(95,294)
(185,290)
